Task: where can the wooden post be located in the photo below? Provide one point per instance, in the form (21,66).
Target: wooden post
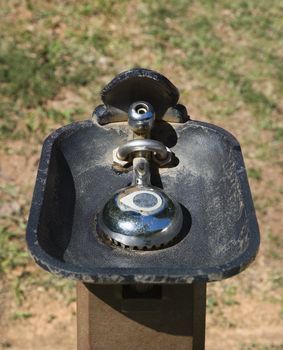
(128,317)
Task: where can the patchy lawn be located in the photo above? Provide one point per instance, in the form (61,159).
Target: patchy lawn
(227,60)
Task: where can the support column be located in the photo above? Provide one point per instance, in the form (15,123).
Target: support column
(137,317)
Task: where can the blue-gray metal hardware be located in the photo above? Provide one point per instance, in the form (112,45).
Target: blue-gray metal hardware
(141,118)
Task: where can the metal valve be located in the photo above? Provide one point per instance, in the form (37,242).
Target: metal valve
(141,216)
(140,121)
(141,118)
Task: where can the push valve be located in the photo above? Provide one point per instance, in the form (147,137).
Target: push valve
(141,216)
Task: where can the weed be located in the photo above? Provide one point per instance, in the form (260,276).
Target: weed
(255,174)
(275,245)
(21,315)
(229,295)
(12,253)
(277,280)
(255,98)
(18,292)
(65,289)
(211,303)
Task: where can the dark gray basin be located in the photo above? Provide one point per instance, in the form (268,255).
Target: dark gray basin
(220,234)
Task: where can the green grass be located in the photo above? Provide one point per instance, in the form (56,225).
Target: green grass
(27,78)
(215,49)
(254,173)
(12,225)
(230,295)
(211,303)
(226,58)
(220,64)
(12,251)
(275,245)
(21,315)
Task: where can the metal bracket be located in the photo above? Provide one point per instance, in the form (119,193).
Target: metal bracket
(108,114)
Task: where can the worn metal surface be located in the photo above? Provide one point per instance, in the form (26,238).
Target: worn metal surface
(141,118)
(135,85)
(108,114)
(220,233)
(140,216)
(117,317)
(162,153)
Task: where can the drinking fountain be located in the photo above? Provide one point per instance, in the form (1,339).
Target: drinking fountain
(141,216)
(142,206)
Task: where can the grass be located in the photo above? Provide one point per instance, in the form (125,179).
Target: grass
(21,315)
(255,174)
(12,245)
(226,58)
(17,68)
(43,62)
(275,245)
(207,54)
(211,303)
(12,252)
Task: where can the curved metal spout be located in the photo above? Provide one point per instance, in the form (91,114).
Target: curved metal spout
(149,145)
